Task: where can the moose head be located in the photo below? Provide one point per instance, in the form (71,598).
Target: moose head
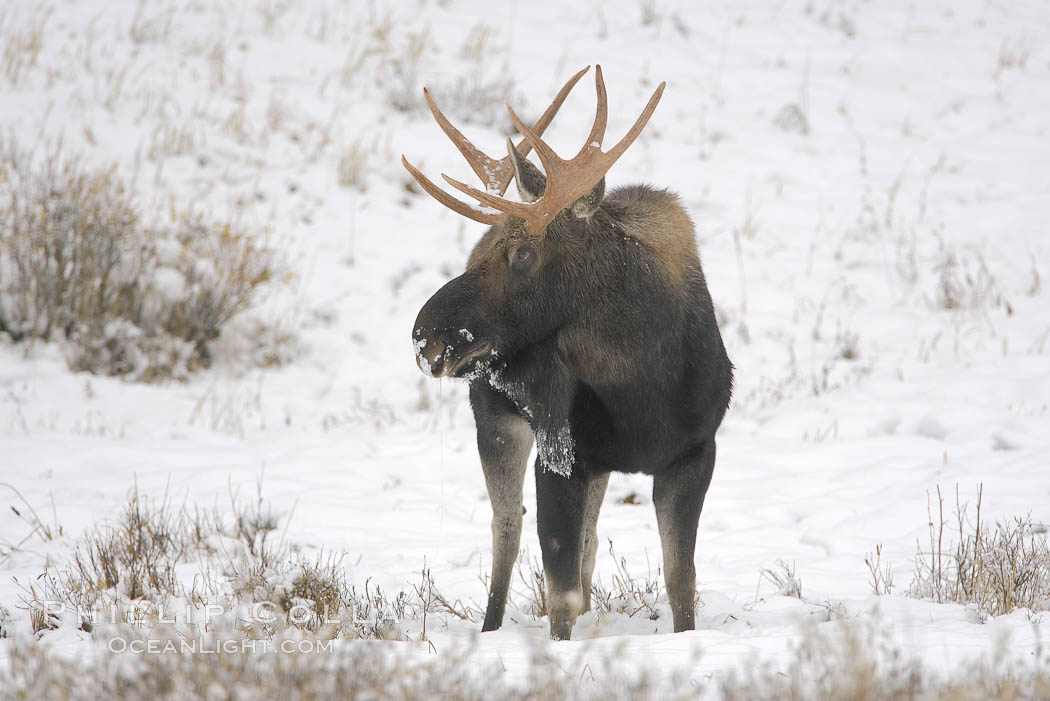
(522,280)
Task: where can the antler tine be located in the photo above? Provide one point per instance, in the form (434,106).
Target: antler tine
(545,120)
(566,180)
(601,114)
(517,209)
(486,168)
(448,200)
(497,174)
(547,156)
(616,151)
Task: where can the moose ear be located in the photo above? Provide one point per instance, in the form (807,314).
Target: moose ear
(531,181)
(587,205)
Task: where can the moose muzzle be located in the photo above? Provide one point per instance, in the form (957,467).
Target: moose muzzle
(446,333)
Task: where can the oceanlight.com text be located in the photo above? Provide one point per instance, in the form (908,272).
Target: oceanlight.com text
(213,647)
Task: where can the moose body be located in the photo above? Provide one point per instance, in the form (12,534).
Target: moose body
(591,333)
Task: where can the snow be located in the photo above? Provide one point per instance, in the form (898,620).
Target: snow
(556,449)
(169,284)
(879,278)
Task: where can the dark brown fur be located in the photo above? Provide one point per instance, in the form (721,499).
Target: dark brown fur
(597,338)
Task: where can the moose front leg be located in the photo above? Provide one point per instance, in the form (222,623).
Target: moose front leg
(504,443)
(561,505)
(678,494)
(544,392)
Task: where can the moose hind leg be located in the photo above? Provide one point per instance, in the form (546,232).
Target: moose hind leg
(560,508)
(504,442)
(678,494)
(595,495)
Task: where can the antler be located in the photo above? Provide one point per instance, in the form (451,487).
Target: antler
(569,180)
(495,174)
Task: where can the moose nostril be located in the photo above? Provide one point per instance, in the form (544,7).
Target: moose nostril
(430,356)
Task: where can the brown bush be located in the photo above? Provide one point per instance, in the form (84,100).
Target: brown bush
(78,266)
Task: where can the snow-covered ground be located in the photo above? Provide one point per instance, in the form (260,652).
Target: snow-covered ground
(869,184)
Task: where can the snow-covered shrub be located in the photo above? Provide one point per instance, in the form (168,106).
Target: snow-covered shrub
(320,586)
(294,668)
(69,248)
(839,662)
(852,660)
(133,569)
(216,275)
(78,266)
(132,558)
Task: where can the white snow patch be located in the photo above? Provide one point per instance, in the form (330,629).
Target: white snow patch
(916,149)
(932,428)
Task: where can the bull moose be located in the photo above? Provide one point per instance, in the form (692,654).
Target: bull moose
(582,322)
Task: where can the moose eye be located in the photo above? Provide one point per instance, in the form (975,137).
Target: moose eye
(522,258)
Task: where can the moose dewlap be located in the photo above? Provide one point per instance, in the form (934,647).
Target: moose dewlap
(584,325)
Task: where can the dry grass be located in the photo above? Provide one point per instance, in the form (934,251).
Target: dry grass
(367,672)
(1013,55)
(999,567)
(533,589)
(137,565)
(784,579)
(881,574)
(134,558)
(964,282)
(352,168)
(21,40)
(473,100)
(849,661)
(67,247)
(625,594)
(315,617)
(78,266)
(846,661)
(402,80)
(628,594)
(46,531)
(476,45)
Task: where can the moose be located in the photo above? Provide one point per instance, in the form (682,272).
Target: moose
(583,323)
